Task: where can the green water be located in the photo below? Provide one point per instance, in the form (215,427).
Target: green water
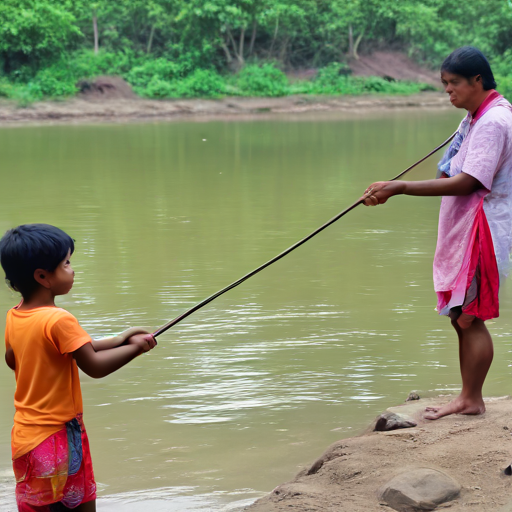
(243,394)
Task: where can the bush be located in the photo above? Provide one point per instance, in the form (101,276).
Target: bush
(202,83)
(265,80)
(502,65)
(154,70)
(505,86)
(333,79)
(5,88)
(158,89)
(54,81)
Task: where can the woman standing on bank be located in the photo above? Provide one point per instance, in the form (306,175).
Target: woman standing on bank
(475,220)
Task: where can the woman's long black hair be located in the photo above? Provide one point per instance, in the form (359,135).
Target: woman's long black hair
(469,62)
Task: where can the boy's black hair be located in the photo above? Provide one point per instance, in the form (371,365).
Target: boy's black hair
(468,62)
(29,247)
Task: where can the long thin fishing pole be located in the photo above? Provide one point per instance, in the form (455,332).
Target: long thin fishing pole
(287,251)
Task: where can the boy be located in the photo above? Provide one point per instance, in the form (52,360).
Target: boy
(45,346)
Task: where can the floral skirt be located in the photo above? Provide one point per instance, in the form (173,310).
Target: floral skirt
(57,470)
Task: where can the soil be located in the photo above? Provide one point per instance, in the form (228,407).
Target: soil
(114,110)
(474,450)
(394,65)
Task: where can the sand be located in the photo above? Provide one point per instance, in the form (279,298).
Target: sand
(83,111)
(474,450)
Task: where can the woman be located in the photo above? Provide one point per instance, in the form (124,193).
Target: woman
(475,220)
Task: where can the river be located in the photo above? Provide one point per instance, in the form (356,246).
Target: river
(241,395)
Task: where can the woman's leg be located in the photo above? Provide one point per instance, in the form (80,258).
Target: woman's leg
(90,506)
(475,355)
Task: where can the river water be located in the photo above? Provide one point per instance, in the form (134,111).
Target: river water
(246,392)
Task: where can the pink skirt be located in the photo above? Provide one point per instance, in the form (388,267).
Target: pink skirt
(478,282)
(45,475)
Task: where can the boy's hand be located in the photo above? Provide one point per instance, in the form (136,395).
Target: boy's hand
(145,342)
(381,191)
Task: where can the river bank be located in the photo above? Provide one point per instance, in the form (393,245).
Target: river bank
(82,111)
(347,477)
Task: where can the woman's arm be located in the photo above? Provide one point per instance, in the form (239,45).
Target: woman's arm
(116,341)
(103,363)
(461,185)
(9,358)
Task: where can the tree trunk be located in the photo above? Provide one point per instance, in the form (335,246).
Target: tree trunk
(275,36)
(350,41)
(95,29)
(241,46)
(356,44)
(150,42)
(227,52)
(239,57)
(282,51)
(253,36)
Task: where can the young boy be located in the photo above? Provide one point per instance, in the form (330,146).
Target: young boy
(45,346)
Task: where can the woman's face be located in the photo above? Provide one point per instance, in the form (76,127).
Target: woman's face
(462,91)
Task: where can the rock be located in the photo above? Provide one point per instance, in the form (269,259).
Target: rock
(412,396)
(105,87)
(419,489)
(392,421)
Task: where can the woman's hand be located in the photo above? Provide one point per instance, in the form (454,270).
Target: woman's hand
(381,191)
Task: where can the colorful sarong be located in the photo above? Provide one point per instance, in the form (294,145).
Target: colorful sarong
(57,470)
(478,282)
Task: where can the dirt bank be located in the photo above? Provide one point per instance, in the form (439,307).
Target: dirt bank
(395,65)
(472,450)
(80,110)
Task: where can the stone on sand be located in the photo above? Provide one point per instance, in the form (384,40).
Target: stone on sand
(393,421)
(419,489)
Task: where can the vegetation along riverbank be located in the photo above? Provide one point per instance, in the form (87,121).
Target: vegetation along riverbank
(269,48)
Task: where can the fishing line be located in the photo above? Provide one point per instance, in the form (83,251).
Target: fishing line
(203,303)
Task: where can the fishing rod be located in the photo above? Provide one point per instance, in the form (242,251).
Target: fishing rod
(203,303)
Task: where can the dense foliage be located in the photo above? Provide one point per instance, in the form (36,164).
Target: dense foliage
(178,48)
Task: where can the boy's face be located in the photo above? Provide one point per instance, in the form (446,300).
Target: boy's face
(63,276)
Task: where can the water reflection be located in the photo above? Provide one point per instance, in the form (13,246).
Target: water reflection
(244,393)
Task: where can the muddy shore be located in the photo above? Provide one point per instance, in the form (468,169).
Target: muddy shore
(474,450)
(83,111)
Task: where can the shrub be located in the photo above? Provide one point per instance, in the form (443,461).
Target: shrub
(154,70)
(265,80)
(54,81)
(502,65)
(202,83)
(505,86)
(157,89)
(333,79)
(5,88)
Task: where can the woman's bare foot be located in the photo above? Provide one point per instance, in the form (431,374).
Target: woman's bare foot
(457,406)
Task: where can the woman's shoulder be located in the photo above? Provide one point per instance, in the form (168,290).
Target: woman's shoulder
(500,116)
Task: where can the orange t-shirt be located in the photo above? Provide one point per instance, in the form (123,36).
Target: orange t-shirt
(48,390)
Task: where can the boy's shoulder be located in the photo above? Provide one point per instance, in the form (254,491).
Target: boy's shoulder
(46,315)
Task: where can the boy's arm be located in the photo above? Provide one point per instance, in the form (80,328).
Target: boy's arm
(115,341)
(9,358)
(102,363)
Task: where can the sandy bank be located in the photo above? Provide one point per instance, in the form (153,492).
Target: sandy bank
(79,110)
(472,450)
